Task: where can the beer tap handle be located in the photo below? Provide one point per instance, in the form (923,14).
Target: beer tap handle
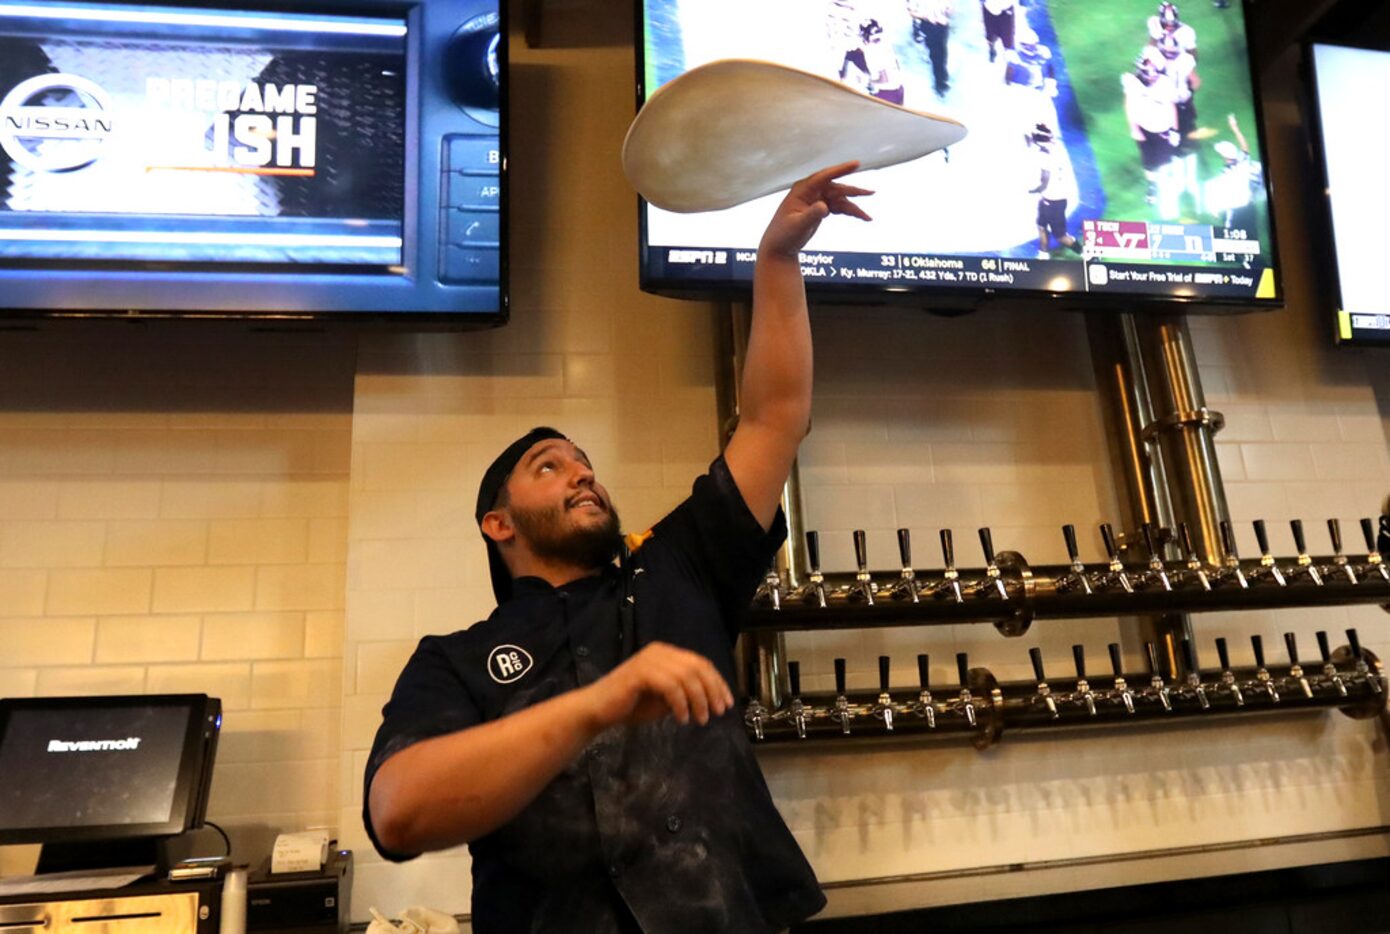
(1262,537)
(1150,541)
(1299,542)
(1355,642)
(987,543)
(1323,648)
(1334,532)
(1035,654)
(924,672)
(963,670)
(1383,539)
(751,671)
(1228,539)
(813,550)
(1189,657)
(1078,655)
(1116,662)
(794,676)
(905,547)
(1368,529)
(1223,655)
(861,552)
(1073,552)
(1107,535)
(948,549)
(840,677)
(883,662)
(1257,645)
(1152,654)
(1185,537)
(1291,644)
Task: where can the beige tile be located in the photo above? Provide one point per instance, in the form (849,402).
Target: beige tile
(157,542)
(110,591)
(90,680)
(18,682)
(109,499)
(328,540)
(323,633)
(258,541)
(22,592)
(361,718)
(47,641)
(155,452)
(28,499)
(212,590)
(252,636)
(315,683)
(227,498)
(301,587)
(147,639)
(305,497)
(379,664)
(43,452)
(51,544)
(230,682)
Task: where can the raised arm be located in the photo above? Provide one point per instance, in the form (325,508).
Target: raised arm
(775,396)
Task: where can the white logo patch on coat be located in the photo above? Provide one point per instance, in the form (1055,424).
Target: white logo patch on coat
(508,663)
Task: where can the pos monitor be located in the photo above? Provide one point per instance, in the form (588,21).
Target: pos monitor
(260,159)
(93,772)
(1114,156)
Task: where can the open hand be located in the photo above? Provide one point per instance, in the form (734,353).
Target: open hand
(661,679)
(808,203)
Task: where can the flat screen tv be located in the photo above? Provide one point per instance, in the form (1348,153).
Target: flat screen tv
(270,159)
(1348,143)
(1114,155)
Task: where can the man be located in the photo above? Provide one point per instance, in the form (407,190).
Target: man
(999,24)
(1031,78)
(1167,23)
(1231,195)
(583,739)
(1153,124)
(931,26)
(873,67)
(1056,188)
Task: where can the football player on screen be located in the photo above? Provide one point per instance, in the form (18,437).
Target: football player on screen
(1167,23)
(1055,188)
(873,66)
(1153,125)
(1231,195)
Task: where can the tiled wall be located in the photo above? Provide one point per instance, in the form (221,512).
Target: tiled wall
(173,518)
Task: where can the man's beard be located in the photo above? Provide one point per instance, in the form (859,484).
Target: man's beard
(588,546)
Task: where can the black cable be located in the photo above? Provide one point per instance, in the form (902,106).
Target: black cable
(225,839)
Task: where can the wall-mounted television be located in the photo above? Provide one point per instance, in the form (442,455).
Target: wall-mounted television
(1348,142)
(1114,155)
(268,159)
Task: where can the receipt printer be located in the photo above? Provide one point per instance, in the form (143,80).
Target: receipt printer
(312,902)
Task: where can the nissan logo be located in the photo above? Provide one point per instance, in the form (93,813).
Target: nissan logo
(55,123)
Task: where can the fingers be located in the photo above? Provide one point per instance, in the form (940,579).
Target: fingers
(831,173)
(689,685)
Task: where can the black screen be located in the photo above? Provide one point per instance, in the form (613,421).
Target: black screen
(99,766)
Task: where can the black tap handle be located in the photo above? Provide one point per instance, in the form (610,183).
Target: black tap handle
(1383,540)
(1153,659)
(1069,533)
(905,547)
(1323,647)
(1257,644)
(948,549)
(861,551)
(1298,540)
(963,668)
(1035,654)
(1222,654)
(813,550)
(1355,642)
(1334,531)
(1107,535)
(924,672)
(1262,536)
(1228,539)
(1368,529)
(751,670)
(987,543)
(794,676)
(1291,643)
(1185,535)
(840,676)
(1150,539)
(1116,663)
(883,674)
(1078,655)
(1189,655)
